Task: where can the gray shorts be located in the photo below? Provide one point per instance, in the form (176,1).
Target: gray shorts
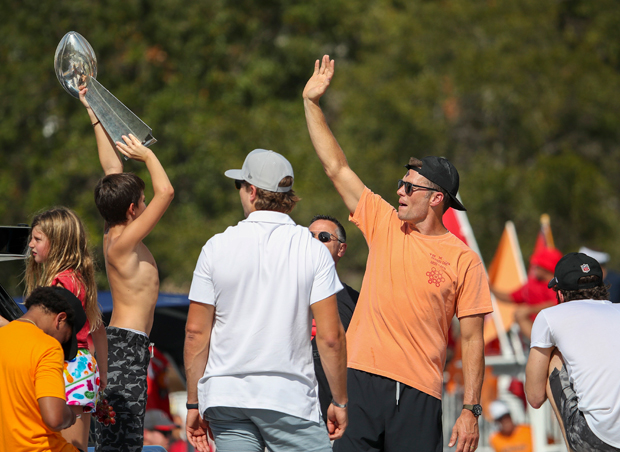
(578,433)
(251,430)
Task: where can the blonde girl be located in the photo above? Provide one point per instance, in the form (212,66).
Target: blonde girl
(59,256)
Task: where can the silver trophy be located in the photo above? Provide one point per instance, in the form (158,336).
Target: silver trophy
(75,65)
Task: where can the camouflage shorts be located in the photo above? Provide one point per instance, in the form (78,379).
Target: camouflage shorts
(128,361)
(578,433)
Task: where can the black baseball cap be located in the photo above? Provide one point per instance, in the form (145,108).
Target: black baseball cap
(439,171)
(572,267)
(79,319)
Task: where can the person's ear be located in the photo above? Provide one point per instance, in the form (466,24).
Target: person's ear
(61,318)
(253,192)
(342,249)
(436,198)
(131,211)
(560,296)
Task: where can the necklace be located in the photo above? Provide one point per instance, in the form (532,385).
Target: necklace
(28,320)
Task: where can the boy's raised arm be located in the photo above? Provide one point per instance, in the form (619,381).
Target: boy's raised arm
(108,157)
(163,192)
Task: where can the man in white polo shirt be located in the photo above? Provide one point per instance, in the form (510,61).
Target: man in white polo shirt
(248,359)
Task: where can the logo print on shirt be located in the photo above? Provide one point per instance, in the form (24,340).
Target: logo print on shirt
(435,277)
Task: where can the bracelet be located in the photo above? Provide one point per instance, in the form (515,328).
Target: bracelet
(96,123)
(339,405)
(191,406)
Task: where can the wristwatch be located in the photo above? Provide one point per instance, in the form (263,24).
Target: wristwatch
(191,406)
(476,409)
(339,405)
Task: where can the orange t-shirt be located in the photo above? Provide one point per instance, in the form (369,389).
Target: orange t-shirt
(519,441)
(413,286)
(31,364)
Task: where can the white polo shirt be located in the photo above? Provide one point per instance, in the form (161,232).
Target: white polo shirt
(586,332)
(262,276)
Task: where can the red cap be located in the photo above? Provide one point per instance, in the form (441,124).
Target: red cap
(546,258)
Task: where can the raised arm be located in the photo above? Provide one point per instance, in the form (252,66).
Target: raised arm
(330,340)
(163,193)
(347,183)
(472,341)
(108,157)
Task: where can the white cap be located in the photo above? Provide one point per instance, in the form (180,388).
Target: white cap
(498,409)
(601,257)
(263,169)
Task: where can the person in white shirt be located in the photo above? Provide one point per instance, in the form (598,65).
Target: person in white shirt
(248,359)
(575,360)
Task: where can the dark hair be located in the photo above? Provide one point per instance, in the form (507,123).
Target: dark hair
(279,202)
(595,293)
(341,233)
(50,300)
(114,194)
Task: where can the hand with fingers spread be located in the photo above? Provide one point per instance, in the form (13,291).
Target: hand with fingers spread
(318,83)
(466,432)
(133,148)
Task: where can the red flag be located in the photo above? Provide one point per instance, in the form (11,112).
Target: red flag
(457,223)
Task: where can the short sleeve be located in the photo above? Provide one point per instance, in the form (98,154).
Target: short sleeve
(326,282)
(49,381)
(370,211)
(68,280)
(202,289)
(542,336)
(473,295)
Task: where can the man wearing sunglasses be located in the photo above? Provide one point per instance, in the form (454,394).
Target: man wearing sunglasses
(328,230)
(418,276)
(254,292)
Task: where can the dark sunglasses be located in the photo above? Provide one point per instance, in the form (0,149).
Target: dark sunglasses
(239,184)
(325,236)
(166,433)
(409,187)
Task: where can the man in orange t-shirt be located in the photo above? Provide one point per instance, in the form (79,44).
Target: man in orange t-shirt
(418,276)
(33,409)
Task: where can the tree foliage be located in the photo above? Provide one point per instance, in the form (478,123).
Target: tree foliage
(519,95)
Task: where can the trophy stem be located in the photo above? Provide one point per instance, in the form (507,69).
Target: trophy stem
(115,117)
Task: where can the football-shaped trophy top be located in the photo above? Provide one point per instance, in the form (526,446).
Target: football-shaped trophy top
(74,62)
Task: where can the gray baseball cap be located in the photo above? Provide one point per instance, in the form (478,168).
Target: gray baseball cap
(263,169)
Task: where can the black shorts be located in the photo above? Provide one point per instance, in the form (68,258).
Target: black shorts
(378,423)
(578,433)
(128,362)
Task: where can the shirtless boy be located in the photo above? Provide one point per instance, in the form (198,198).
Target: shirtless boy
(133,277)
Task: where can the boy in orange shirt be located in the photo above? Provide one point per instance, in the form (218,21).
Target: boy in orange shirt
(33,409)
(509,437)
